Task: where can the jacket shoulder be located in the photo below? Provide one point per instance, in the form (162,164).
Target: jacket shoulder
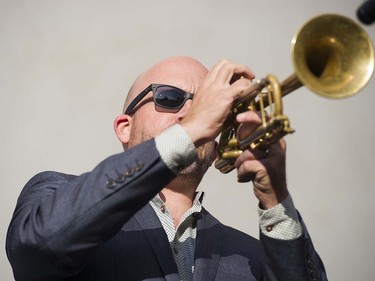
(46,180)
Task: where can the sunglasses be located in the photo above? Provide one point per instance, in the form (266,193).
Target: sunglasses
(167,97)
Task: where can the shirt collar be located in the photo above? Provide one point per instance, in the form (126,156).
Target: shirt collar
(196,206)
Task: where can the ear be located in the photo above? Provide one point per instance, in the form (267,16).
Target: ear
(122,126)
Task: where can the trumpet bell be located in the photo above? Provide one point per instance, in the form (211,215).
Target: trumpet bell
(333,56)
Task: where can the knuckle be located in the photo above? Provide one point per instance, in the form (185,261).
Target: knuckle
(224,61)
(244,84)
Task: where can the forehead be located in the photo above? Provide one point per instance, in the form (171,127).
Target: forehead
(183,73)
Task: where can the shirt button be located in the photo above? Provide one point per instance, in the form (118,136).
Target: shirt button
(162,209)
(269,228)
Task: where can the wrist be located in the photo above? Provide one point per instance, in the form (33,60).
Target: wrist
(194,133)
(270,200)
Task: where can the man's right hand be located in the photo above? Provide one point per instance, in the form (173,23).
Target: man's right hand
(213,102)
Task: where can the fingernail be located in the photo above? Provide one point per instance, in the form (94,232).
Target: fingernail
(240,117)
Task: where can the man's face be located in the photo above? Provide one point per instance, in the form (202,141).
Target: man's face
(148,120)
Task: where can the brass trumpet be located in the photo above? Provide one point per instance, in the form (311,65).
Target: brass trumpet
(332,56)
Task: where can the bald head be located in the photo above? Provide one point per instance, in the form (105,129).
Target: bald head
(183,72)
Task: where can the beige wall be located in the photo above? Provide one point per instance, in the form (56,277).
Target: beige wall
(65,67)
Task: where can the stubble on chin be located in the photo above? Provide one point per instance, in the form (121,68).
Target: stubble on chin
(137,138)
(206,156)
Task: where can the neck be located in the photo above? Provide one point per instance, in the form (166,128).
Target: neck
(178,198)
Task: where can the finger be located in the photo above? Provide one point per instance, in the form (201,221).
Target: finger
(249,122)
(216,71)
(242,71)
(242,87)
(247,155)
(246,178)
(252,155)
(282,144)
(249,169)
(225,71)
(249,117)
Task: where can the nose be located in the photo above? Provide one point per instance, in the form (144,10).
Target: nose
(182,112)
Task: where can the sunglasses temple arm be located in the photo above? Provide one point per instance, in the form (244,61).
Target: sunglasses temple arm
(137,99)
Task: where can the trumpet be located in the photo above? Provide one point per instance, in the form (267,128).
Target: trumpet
(332,56)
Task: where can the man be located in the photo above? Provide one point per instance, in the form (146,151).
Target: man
(137,215)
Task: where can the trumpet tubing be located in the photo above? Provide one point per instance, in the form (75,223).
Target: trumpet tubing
(332,56)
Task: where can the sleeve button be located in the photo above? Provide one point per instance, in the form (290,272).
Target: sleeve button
(128,173)
(110,183)
(120,178)
(139,166)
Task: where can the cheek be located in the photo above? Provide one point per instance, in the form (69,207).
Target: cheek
(155,123)
(158,122)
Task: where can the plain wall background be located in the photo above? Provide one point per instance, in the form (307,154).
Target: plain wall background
(66,66)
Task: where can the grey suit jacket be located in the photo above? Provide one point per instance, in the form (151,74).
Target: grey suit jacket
(98,226)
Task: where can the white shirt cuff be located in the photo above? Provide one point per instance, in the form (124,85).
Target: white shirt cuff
(280,222)
(176,148)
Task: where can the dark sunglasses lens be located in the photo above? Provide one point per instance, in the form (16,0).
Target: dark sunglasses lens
(169,97)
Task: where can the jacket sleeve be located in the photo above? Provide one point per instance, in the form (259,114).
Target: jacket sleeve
(60,219)
(297,260)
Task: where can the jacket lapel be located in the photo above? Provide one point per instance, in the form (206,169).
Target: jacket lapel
(158,240)
(208,246)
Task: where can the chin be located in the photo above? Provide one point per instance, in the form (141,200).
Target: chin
(192,169)
(198,168)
